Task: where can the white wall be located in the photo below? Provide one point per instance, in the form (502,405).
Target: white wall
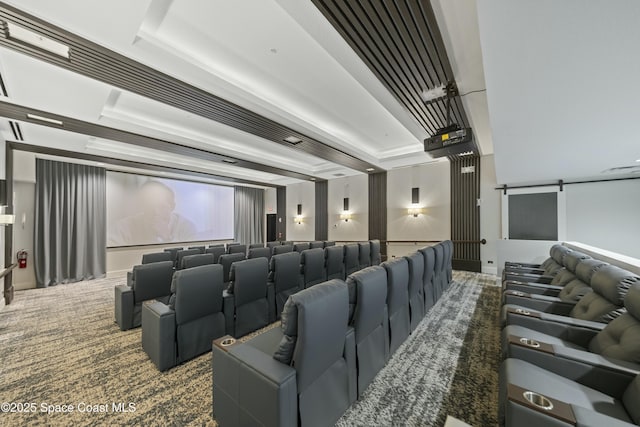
(24,208)
(356,188)
(302,193)
(605,215)
(434,182)
(490,215)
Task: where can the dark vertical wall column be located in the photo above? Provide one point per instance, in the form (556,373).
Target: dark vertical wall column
(281,208)
(322,210)
(8,231)
(465,213)
(378,210)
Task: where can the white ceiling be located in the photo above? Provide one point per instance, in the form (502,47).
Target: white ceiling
(562,86)
(279,58)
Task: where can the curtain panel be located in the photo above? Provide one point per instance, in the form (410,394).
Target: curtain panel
(70,222)
(249,221)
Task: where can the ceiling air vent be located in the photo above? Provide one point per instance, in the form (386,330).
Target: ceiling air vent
(622,169)
(338,174)
(229,161)
(293,140)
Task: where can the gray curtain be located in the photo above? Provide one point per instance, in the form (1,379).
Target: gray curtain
(70,222)
(249,210)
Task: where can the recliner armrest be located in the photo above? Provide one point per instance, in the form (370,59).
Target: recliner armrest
(124,307)
(550,324)
(350,356)
(271,301)
(539,302)
(229,310)
(252,388)
(159,334)
(527,277)
(606,375)
(532,288)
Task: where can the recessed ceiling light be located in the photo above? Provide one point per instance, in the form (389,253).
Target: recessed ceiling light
(638,160)
(466,153)
(312,179)
(369,169)
(44,119)
(293,140)
(17,32)
(99,164)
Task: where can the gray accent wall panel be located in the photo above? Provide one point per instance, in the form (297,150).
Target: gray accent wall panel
(322,211)
(281,207)
(465,213)
(378,209)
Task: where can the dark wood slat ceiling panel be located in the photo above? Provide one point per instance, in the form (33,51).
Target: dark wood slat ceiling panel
(400,42)
(97,62)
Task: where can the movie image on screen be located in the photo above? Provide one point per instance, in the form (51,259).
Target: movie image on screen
(143,210)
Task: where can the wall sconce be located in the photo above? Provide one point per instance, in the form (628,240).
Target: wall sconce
(298,218)
(345,215)
(415,211)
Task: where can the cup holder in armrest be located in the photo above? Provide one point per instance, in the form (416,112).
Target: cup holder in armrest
(538,400)
(517,293)
(523,311)
(225,342)
(530,342)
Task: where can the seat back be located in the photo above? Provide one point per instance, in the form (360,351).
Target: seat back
(376,254)
(299,247)
(156,257)
(227,261)
(282,249)
(364,254)
(199,248)
(368,316)
(286,278)
(256,245)
(329,243)
(259,253)
(197,260)
(272,245)
(288,243)
(579,286)
(351,258)
(446,253)
(439,271)
(314,325)
(558,253)
(237,249)
(184,253)
(312,267)
(174,254)
(334,262)
(397,301)
(198,308)
(430,296)
(620,339)
(416,288)
(316,245)
(216,251)
(249,286)
(567,273)
(151,281)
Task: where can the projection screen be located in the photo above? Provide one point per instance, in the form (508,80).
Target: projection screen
(143,210)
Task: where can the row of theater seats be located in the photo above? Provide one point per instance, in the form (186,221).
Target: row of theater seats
(570,342)
(333,340)
(152,278)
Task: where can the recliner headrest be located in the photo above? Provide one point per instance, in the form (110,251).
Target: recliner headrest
(632,301)
(613,283)
(559,253)
(571,260)
(586,268)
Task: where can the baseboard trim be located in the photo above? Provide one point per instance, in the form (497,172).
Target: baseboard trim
(490,270)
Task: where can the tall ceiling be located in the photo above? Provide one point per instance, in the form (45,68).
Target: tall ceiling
(283,65)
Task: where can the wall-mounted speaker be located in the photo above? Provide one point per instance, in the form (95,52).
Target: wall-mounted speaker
(3,192)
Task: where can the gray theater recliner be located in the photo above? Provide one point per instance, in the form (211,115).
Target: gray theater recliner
(545,263)
(375,251)
(334,261)
(564,275)
(611,400)
(272,245)
(259,253)
(301,374)
(329,243)
(156,257)
(282,249)
(217,252)
(299,247)
(249,298)
(364,254)
(439,273)
(316,245)
(312,267)
(184,329)
(197,260)
(174,254)
(237,249)
(582,353)
(609,286)
(256,245)
(582,274)
(184,253)
(226,261)
(285,277)
(544,275)
(430,296)
(370,321)
(147,282)
(351,258)
(416,288)
(199,248)
(397,301)
(446,250)
(449,264)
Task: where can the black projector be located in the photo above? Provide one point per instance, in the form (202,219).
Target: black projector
(450,141)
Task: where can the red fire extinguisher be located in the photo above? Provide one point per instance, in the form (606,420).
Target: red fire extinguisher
(22,259)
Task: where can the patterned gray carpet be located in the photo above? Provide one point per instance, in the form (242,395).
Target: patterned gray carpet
(60,346)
